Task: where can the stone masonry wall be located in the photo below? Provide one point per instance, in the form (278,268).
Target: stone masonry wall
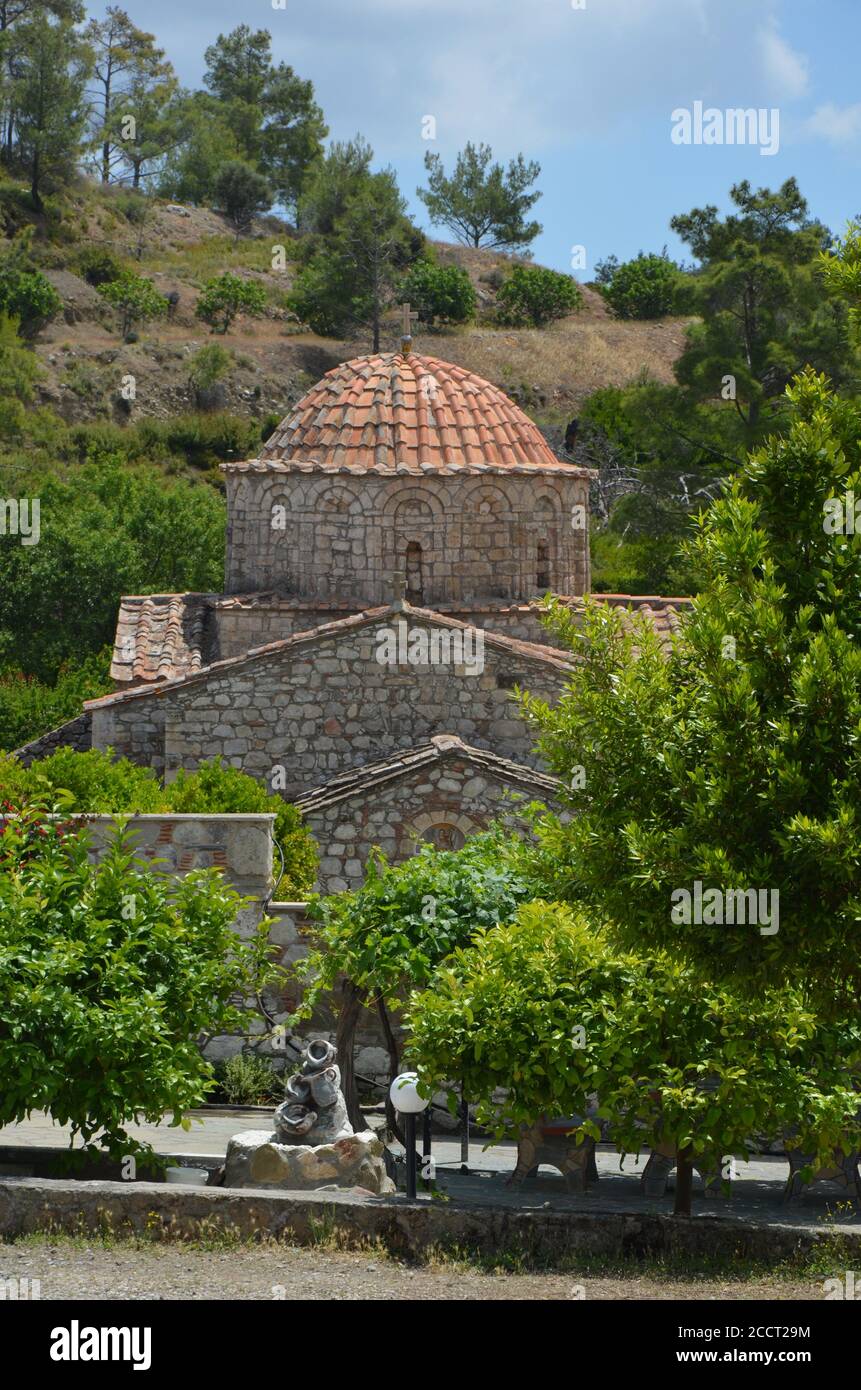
(134,730)
(332,706)
(457,800)
(75,734)
(501,535)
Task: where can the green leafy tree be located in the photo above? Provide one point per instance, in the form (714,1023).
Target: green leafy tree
(329,186)
(732,763)
(759,293)
(537,1016)
(227,295)
(125,58)
(352,276)
(100,1017)
(482,203)
(648,287)
(204,143)
(52,68)
(278,125)
(389,936)
(241,193)
(107,530)
(440,292)
(135,298)
(25,293)
(533,295)
(148,125)
(30,707)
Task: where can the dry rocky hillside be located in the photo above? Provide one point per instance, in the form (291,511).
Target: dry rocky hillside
(549,371)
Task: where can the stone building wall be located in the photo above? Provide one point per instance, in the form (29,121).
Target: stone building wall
(134,729)
(315,710)
(241,623)
(75,734)
(457,799)
(458,537)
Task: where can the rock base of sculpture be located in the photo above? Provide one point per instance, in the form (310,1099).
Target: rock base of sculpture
(256,1158)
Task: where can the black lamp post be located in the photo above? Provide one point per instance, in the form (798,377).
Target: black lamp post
(408,1103)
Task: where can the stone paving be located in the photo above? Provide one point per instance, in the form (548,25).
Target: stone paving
(756,1197)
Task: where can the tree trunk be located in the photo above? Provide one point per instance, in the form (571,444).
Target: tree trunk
(394,1068)
(684,1183)
(348,1018)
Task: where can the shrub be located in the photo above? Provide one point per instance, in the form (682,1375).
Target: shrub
(240,193)
(226,296)
(535,295)
(209,365)
(644,288)
(25,293)
(442,292)
(248,1080)
(100,1014)
(135,298)
(99,266)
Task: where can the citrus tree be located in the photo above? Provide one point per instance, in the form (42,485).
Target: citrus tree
(135,298)
(716,787)
(110,974)
(387,937)
(540,1015)
(227,295)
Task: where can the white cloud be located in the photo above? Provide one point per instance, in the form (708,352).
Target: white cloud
(785,70)
(841,125)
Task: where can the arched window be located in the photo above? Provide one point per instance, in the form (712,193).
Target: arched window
(542,577)
(415,587)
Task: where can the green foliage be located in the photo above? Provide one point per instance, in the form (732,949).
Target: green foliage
(135,298)
(543,1010)
(209,365)
(647,287)
(534,295)
(759,292)
(353,270)
(20,369)
(25,293)
(247,1079)
(215,787)
(406,918)
(100,782)
(734,763)
(841,270)
(30,707)
(99,266)
(441,292)
(105,532)
(52,64)
(226,296)
(482,203)
(241,193)
(100,1015)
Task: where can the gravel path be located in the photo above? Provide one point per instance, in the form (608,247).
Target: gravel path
(175,1272)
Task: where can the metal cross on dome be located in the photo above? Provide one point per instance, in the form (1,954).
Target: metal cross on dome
(408,314)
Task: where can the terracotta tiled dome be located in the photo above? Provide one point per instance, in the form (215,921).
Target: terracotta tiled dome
(392,413)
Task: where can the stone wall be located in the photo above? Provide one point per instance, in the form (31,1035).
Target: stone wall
(458,537)
(456,798)
(241,624)
(316,710)
(75,734)
(134,729)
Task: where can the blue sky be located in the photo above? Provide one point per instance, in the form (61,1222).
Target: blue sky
(586,87)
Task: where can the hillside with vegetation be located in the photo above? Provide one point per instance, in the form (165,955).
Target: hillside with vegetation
(178,266)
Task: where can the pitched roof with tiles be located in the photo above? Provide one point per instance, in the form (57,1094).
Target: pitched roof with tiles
(406,413)
(362,781)
(299,643)
(159,637)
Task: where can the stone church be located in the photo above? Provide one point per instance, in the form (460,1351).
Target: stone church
(386,557)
